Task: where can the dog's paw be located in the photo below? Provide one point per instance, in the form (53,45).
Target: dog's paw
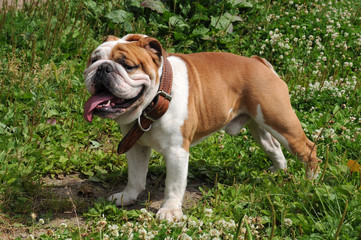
(275,169)
(122,199)
(170,214)
(312,174)
(272,169)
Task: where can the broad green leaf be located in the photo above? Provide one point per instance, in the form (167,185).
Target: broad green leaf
(95,144)
(245,5)
(155,5)
(10,181)
(134,3)
(200,30)
(337,107)
(119,16)
(240,3)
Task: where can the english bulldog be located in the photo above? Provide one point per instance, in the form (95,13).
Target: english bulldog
(209,91)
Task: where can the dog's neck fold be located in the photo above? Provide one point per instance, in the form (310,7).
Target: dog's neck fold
(155,110)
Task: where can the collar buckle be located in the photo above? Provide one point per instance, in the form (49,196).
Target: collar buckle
(165,95)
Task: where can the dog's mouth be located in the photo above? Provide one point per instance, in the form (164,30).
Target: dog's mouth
(105,104)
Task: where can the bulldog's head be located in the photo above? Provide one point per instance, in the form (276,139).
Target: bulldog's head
(122,75)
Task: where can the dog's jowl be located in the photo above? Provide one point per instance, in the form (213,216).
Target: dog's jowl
(170,102)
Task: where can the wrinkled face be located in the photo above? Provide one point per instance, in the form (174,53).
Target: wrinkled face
(122,76)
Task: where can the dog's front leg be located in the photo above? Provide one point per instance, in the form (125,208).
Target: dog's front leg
(175,184)
(138,160)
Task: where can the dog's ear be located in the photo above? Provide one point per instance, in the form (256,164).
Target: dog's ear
(152,45)
(134,37)
(111,38)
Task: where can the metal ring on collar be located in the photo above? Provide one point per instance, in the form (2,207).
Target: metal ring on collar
(141,127)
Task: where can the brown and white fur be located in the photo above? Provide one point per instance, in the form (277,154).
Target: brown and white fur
(210,91)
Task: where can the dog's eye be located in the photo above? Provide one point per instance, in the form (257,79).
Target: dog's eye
(93,60)
(129,68)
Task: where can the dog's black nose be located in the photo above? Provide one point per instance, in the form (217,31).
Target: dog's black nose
(104,69)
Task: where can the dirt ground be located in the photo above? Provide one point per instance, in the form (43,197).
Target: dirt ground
(65,193)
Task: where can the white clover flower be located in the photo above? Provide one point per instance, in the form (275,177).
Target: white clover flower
(204,236)
(142,232)
(334,35)
(151,234)
(222,223)
(41,221)
(214,233)
(288,222)
(185,229)
(208,212)
(252,149)
(114,233)
(114,230)
(352,119)
(113,227)
(184,236)
(192,223)
(63,225)
(102,223)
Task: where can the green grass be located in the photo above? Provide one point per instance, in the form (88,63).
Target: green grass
(315,46)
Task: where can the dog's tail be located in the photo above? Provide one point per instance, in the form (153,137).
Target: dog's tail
(266,63)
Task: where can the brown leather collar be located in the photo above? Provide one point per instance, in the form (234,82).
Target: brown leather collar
(155,110)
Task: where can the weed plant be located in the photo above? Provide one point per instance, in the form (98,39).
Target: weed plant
(315,46)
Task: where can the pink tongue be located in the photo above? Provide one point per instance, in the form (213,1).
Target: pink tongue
(94,101)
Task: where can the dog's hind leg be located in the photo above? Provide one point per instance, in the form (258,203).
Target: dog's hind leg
(283,124)
(269,145)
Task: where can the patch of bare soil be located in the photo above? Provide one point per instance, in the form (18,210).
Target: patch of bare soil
(66,197)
